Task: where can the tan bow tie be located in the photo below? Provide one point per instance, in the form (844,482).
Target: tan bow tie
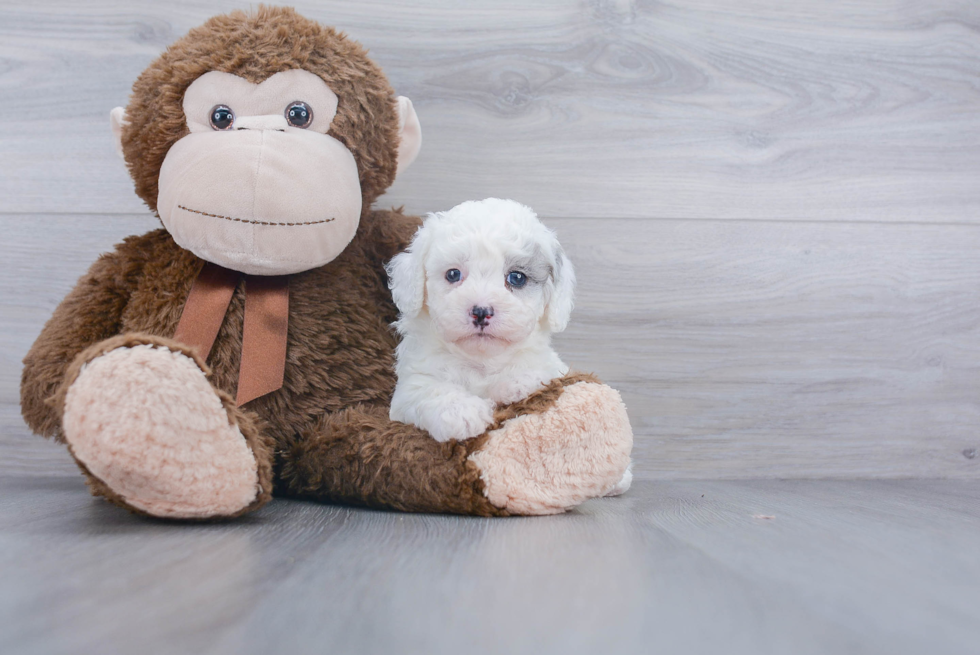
(263,360)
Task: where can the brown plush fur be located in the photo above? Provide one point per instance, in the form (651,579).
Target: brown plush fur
(328,423)
(385,463)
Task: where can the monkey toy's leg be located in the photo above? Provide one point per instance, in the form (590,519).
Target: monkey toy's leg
(152,434)
(565,444)
(137,412)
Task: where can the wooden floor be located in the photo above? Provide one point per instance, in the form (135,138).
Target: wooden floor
(738,567)
(774,212)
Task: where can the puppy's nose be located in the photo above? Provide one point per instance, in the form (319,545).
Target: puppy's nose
(481,315)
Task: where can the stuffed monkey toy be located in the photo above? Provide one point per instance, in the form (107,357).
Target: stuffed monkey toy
(245,349)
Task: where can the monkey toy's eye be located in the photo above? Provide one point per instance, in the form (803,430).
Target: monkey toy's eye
(453,275)
(222,117)
(299,114)
(516,279)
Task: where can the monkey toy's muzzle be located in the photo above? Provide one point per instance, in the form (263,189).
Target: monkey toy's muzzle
(263,201)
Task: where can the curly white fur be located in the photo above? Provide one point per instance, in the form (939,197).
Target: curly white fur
(479,341)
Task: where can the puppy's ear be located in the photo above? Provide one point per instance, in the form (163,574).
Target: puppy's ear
(563,292)
(406,276)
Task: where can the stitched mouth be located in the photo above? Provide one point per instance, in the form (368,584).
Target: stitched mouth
(252,222)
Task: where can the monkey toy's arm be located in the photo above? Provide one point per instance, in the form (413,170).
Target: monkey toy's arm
(90,313)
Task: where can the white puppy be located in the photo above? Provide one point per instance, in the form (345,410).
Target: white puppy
(480,290)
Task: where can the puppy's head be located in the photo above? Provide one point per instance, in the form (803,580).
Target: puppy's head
(487,275)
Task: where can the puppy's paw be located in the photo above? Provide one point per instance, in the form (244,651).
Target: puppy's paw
(463,418)
(623,485)
(517,389)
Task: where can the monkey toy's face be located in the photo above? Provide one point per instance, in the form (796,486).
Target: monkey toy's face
(256,178)
(258,185)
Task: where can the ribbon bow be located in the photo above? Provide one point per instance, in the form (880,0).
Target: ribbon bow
(263,362)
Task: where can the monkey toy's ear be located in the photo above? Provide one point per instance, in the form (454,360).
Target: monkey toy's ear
(409,132)
(117,118)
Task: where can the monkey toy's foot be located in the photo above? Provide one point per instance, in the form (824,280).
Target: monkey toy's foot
(152,433)
(548,462)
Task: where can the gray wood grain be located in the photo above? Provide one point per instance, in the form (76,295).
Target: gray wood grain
(742,348)
(682,567)
(707,109)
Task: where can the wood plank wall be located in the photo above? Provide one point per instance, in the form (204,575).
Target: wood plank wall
(773,207)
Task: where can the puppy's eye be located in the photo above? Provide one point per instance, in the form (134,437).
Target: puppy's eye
(453,275)
(516,279)
(221,117)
